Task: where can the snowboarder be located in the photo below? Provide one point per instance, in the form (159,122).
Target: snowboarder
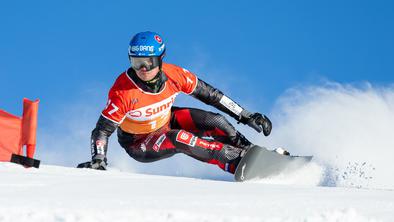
(150,128)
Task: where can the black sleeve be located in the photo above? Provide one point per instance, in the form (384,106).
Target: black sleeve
(214,97)
(99,139)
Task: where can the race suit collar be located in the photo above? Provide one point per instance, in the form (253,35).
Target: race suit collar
(150,86)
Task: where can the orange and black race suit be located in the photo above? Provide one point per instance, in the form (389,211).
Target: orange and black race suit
(150,128)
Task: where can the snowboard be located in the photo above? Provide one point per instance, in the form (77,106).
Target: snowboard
(259,162)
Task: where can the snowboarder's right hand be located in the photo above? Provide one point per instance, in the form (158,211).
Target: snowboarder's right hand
(259,122)
(97,164)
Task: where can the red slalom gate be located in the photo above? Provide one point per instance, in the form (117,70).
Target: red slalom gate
(18,132)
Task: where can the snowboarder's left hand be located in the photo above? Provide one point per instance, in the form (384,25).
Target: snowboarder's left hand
(260,122)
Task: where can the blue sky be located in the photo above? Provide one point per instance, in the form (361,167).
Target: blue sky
(70,52)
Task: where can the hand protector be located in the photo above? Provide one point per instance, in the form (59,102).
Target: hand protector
(97,164)
(259,122)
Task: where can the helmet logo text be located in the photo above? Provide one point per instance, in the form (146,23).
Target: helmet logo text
(142,48)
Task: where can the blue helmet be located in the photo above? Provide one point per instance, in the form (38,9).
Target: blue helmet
(146,44)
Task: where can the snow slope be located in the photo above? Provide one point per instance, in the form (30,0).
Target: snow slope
(54,193)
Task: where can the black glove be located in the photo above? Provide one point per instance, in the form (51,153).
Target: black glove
(258,122)
(97,164)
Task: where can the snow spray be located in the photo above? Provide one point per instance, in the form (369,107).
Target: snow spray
(348,128)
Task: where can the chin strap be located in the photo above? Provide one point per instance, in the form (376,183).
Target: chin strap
(156,83)
(154,80)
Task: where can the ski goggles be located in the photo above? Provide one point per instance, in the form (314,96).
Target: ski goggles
(148,62)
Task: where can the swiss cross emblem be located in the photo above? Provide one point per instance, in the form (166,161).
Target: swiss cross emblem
(184,136)
(158,39)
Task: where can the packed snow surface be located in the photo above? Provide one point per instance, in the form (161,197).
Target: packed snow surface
(54,193)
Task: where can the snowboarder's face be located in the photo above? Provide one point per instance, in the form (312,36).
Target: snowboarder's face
(145,67)
(146,75)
